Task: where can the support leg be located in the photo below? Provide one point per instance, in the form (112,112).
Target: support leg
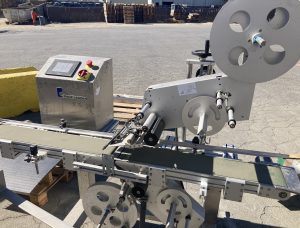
(190,70)
(181,134)
(211,206)
(85,180)
(2,181)
(143,209)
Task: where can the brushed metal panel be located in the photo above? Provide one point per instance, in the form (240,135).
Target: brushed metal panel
(21,177)
(83,104)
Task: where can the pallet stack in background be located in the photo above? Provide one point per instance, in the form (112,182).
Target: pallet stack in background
(109,13)
(8,3)
(129,14)
(149,13)
(162,14)
(146,13)
(138,13)
(119,12)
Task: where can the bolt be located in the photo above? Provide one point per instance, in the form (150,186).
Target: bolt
(257,39)
(231,124)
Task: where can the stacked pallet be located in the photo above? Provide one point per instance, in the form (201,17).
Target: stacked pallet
(149,13)
(128,12)
(162,13)
(138,13)
(109,13)
(126,107)
(8,3)
(39,195)
(119,13)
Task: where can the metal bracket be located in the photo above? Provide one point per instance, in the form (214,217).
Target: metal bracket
(269,192)
(7,150)
(234,189)
(2,181)
(157,177)
(68,158)
(203,188)
(108,165)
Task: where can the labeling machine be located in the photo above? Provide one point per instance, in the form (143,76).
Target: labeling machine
(152,170)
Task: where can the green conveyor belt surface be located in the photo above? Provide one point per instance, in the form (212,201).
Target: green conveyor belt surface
(85,144)
(214,166)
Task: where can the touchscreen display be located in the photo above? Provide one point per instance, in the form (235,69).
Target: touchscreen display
(64,68)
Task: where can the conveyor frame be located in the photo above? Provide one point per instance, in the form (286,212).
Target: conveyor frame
(135,166)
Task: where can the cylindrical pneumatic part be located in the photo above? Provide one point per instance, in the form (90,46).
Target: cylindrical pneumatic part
(219,100)
(141,114)
(130,139)
(153,135)
(149,122)
(231,120)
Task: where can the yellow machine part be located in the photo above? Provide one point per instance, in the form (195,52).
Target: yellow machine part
(18,91)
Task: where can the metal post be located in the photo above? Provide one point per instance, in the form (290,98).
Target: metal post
(85,180)
(143,209)
(187,221)
(211,206)
(171,216)
(190,70)
(2,181)
(181,134)
(176,136)
(107,212)
(210,69)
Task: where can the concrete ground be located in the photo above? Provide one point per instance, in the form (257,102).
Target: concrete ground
(150,54)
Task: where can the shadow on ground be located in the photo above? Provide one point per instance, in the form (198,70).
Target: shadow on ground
(293,203)
(236,223)
(33,117)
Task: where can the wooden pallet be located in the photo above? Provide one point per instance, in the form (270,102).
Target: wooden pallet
(39,195)
(126,107)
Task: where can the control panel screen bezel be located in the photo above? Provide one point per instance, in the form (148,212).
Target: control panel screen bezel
(63,68)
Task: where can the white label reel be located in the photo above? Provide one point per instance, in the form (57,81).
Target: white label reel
(256,41)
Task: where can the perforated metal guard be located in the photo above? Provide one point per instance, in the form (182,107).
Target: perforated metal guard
(105,195)
(276,21)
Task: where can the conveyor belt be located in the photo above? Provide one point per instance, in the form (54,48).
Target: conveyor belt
(85,144)
(214,166)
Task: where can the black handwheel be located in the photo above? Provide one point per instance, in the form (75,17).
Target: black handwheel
(201,54)
(204,71)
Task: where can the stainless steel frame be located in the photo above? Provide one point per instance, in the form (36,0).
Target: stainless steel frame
(157,176)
